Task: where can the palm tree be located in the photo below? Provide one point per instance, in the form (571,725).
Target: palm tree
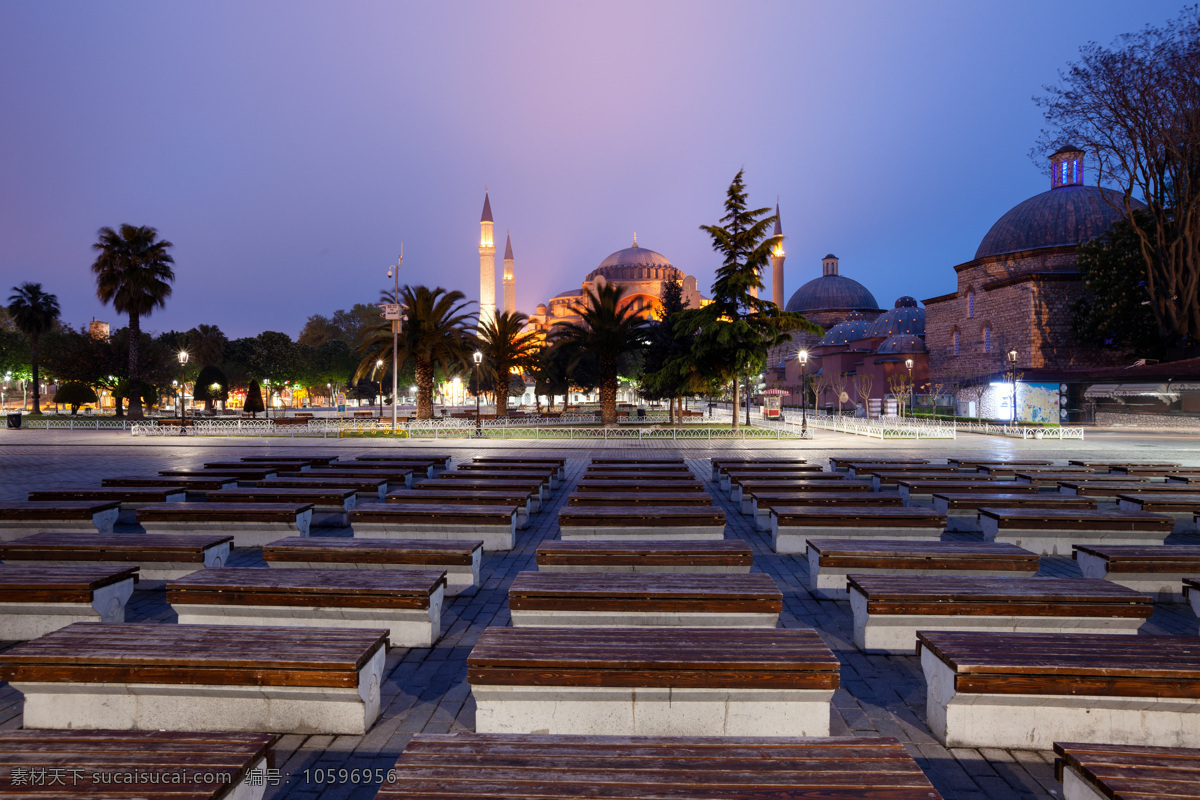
(504,349)
(133,272)
(206,343)
(435,334)
(34,312)
(609,329)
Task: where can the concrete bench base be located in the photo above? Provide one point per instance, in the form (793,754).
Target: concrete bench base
(641,619)
(1194,599)
(100,523)
(494,537)
(829,583)
(614,711)
(642,533)
(1185,521)
(460,578)
(795,539)
(1058,543)
(1035,722)
(148,706)
(1166,586)
(406,627)
(24,621)
(1079,787)
(245,534)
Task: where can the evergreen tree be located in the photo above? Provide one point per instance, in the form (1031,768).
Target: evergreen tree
(74,395)
(254,399)
(211,385)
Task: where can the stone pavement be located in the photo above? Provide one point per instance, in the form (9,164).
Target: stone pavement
(426,689)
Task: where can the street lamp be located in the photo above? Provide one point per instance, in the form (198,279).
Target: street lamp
(803,358)
(183,359)
(329,386)
(478,359)
(1012,361)
(379,383)
(267,404)
(909,363)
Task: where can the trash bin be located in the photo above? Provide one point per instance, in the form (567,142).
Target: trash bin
(641,413)
(14,421)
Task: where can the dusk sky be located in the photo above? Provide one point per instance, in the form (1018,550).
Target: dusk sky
(287,148)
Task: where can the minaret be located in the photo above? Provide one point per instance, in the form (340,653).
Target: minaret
(777,256)
(487,265)
(510,281)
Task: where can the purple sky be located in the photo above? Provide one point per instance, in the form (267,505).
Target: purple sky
(287,148)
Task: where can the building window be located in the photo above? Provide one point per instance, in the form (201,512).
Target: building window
(970,304)
(987,339)
(957,337)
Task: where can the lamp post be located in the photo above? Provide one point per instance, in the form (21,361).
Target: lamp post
(394,274)
(183,359)
(379,383)
(908,362)
(803,358)
(1012,362)
(478,359)
(329,386)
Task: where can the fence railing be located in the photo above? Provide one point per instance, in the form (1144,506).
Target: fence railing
(881,428)
(1019,431)
(77,424)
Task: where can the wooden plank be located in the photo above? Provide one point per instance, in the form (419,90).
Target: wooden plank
(333,588)
(908,554)
(996,596)
(58,509)
(1078,519)
(638,498)
(247,512)
(143,547)
(36,583)
(727,552)
(324,549)
(1134,771)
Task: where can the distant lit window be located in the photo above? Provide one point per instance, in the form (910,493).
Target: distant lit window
(970,304)
(957,339)
(987,339)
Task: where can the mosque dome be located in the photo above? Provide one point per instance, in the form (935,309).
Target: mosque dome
(852,329)
(1069,214)
(831,291)
(905,318)
(901,343)
(634,264)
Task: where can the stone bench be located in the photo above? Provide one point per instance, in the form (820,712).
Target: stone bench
(1136,471)
(730,476)
(962,509)
(758,503)
(724,556)
(419,467)
(245,472)
(250,524)
(129,498)
(1180,507)
(1052,531)
(157,556)
(545,478)
(892,480)
(1052,479)
(830,561)
(1153,569)
(368,490)
(330,507)
(920,491)
(473,471)
(526,501)
(639,498)
(623,486)
(644,682)
(1025,691)
(395,476)
(292,465)
(851,466)
(1110,492)
(739,487)
(405,603)
(1083,462)
(650,523)
(793,526)
(538,489)
(650,600)
(974,464)
(720,463)
(196,488)
(90,763)
(1097,771)
(559,465)
(19,519)
(439,460)
(517,767)
(37,599)
(495,525)
(889,609)
(314,459)
(150,676)
(460,560)
(1182,482)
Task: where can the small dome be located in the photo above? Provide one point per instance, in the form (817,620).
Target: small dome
(854,328)
(568,293)
(902,343)
(902,319)
(831,292)
(636,263)
(1066,215)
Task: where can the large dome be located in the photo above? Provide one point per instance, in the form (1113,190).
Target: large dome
(1066,215)
(906,318)
(831,292)
(636,263)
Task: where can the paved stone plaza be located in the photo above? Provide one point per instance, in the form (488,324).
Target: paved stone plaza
(426,689)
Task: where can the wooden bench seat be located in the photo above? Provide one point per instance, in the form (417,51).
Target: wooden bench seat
(1056,478)
(288,464)
(962,507)
(920,491)
(634,460)
(845,463)
(620,486)
(19,519)
(559,465)
(888,472)
(36,599)
(245,472)
(495,525)
(250,524)
(395,476)
(201,766)
(650,523)
(552,472)
(460,560)
(811,472)
(1181,481)
(638,498)
(315,459)
(1179,506)
(830,561)
(1052,531)
(544,477)
(440,460)
(649,470)
(739,487)
(723,556)
(1135,471)
(420,467)
(793,526)
(1126,772)
(974,464)
(331,507)
(537,488)
(1025,691)
(157,556)
(365,489)
(525,500)
(892,480)
(644,600)
(406,603)
(130,498)
(693,681)
(890,609)
(150,676)
(1083,462)
(1154,569)
(651,768)
(194,487)
(758,503)
(719,463)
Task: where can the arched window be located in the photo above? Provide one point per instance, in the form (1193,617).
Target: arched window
(957,340)
(987,338)
(970,304)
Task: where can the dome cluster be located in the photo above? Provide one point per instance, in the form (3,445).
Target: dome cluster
(905,318)
(854,328)
(902,329)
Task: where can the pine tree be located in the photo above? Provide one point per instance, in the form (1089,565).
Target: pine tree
(254,400)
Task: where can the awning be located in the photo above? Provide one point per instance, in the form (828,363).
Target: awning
(1165,392)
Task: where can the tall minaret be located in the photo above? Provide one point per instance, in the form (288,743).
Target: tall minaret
(487,265)
(777,256)
(510,281)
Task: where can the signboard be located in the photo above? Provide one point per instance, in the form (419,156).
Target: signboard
(390,310)
(341,402)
